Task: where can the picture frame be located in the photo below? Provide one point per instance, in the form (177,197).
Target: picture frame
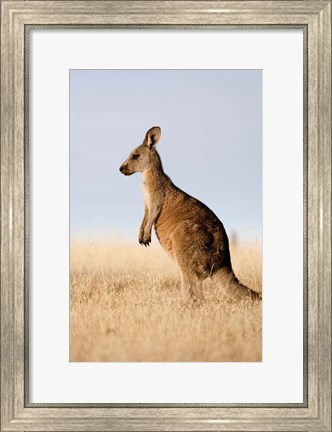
(17,18)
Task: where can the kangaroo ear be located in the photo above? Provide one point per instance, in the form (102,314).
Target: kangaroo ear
(152,136)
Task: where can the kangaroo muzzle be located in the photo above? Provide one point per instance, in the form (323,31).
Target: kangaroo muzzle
(125,170)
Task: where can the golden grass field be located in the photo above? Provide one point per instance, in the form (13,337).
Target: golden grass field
(126,306)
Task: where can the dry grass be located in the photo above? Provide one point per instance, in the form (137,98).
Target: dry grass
(125,305)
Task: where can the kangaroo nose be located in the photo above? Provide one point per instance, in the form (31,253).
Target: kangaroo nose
(121,168)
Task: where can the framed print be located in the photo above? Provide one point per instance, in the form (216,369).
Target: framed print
(202,302)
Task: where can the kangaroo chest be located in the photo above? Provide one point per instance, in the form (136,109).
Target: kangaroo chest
(148,195)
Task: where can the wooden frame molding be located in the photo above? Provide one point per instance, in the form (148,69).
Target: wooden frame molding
(17,17)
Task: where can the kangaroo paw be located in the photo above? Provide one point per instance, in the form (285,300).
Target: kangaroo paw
(145,240)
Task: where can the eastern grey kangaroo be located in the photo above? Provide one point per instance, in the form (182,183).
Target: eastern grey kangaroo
(186,228)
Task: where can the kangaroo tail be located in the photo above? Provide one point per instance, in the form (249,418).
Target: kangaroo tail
(233,287)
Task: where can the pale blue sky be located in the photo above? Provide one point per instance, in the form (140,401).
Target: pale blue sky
(211,144)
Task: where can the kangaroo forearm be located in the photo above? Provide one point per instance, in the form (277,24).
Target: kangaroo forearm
(151,218)
(149,224)
(143,224)
(146,226)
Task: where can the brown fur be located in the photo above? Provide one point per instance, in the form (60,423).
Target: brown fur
(186,228)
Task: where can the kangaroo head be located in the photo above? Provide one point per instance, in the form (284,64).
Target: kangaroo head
(142,158)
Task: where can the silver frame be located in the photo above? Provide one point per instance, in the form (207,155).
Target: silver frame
(17,17)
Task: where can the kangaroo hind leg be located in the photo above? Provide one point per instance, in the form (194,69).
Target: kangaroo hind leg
(191,287)
(187,253)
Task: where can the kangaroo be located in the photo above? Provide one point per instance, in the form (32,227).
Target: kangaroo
(186,228)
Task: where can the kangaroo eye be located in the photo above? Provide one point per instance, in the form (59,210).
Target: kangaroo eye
(135,156)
